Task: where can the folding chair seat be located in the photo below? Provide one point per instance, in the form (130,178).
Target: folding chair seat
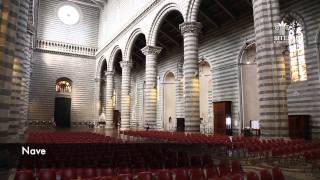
(252,176)
(180,174)
(89,172)
(277,174)
(67,174)
(47,174)
(123,171)
(23,175)
(124,177)
(196,174)
(163,175)
(265,175)
(144,176)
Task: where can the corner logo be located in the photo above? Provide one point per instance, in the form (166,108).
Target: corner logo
(281,33)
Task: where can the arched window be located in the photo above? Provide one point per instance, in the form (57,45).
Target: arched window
(63,85)
(298,66)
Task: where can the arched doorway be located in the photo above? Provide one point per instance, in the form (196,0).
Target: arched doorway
(169,102)
(116,97)
(62,106)
(249,87)
(137,83)
(205,92)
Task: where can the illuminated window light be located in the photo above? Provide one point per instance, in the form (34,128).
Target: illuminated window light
(69,14)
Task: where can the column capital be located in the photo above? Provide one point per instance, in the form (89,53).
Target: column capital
(190,27)
(108,73)
(125,64)
(151,50)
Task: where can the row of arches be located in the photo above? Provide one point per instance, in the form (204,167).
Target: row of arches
(165,33)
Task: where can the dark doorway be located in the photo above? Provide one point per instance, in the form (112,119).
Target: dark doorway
(116,118)
(62,112)
(180,125)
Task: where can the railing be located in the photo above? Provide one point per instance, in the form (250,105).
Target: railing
(60,47)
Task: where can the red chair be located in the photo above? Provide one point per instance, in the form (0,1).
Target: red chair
(163,175)
(89,172)
(219,178)
(67,174)
(212,172)
(24,175)
(265,175)
(196,174)
(105,172)
(277,174)
(124,177)
(237,177)
(47,174)
(144,176)
(236,167)
(252,176)
(180,174)
(124,171)
(79,172)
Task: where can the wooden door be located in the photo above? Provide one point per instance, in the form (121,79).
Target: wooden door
(221,110)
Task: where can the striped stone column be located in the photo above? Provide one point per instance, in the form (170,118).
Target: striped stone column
(190,32)
(271,69)
(109,95)
(9,10)
(125,94)
(97,103)
(150,105)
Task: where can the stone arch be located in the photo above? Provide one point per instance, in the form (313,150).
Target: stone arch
(130,42)
(110,64)
(245,46)
(169,101)
(166,73)
(99,66)
(192,10)
(243,94)
(151,40)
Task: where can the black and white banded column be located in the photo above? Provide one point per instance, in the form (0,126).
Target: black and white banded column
(190,32)
(271,69)
(150,105)
(109,98)
(125,94)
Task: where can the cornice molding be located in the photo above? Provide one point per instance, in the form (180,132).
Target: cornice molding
(151,50)
(65,48)
(130,24)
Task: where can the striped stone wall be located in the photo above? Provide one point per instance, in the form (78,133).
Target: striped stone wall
(9,16)
(304,97)
(47,68)
(83,33)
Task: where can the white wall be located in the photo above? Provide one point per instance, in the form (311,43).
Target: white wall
(51,28)
(115,14)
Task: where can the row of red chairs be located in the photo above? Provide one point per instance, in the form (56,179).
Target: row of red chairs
(162,174)
(69,137)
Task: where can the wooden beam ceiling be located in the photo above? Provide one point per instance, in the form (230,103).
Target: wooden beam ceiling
(226,10)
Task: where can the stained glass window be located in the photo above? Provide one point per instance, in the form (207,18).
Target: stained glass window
(297,53)
(63,87)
